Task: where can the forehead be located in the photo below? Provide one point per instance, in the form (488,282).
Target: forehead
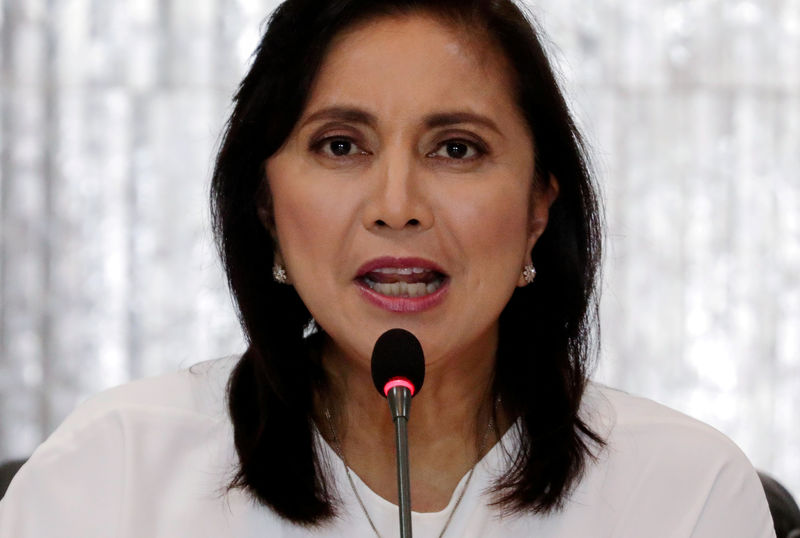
(418,61)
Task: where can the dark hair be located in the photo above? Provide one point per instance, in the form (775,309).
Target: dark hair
(547,330)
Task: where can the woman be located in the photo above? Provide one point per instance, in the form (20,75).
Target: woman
(395,164)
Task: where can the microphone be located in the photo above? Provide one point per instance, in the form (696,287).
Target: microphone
(398,371)
(397,360)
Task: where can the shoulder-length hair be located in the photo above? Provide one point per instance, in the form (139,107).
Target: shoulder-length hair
(547,330)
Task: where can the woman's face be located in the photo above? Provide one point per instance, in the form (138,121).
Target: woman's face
(403,196)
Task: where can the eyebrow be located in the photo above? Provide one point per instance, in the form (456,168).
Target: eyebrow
(340,113)
(446,119)
(440,119)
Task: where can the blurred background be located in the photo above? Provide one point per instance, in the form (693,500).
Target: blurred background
(110,111)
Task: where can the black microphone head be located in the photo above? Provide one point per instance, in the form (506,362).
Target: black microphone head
(397,354)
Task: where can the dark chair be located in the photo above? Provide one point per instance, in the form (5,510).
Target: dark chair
(7,471)
(784,510)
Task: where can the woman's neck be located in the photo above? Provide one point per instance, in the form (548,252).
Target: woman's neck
(448,429)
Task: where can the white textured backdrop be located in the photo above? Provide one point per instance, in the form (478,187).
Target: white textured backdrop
(109,115)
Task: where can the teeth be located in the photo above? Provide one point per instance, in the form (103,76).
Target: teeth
(404,289)
(400,270)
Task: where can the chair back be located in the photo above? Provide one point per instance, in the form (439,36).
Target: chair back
(782,506)
(7,471)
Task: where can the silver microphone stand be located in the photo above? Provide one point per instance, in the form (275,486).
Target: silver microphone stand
(400,404)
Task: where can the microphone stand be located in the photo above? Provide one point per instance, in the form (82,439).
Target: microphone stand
(400,403)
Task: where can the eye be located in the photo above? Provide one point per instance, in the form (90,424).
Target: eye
(458,149)
(338,147)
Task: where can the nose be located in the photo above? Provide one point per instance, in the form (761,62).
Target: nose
(399,198)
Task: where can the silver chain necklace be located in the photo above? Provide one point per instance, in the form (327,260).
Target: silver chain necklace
(338,448)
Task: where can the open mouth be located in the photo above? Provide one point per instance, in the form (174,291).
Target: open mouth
(403,281)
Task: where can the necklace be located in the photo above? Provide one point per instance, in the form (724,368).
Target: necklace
(338,448)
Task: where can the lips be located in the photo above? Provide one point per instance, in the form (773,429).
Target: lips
(407,278)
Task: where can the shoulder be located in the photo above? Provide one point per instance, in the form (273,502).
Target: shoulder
(118,450)
(198,391)
(646,438)
(627,418)
(148,418)
(660,465)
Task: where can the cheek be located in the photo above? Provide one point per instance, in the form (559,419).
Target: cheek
(312,216)
(300,225)
(496,225)
(298,220)
(294,221)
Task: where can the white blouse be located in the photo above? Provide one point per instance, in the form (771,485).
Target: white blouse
(152,459)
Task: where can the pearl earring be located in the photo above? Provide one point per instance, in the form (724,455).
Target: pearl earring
(529,273)
(279,273)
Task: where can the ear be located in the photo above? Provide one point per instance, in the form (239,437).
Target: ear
(542,197)
(264,204)
(267,219)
